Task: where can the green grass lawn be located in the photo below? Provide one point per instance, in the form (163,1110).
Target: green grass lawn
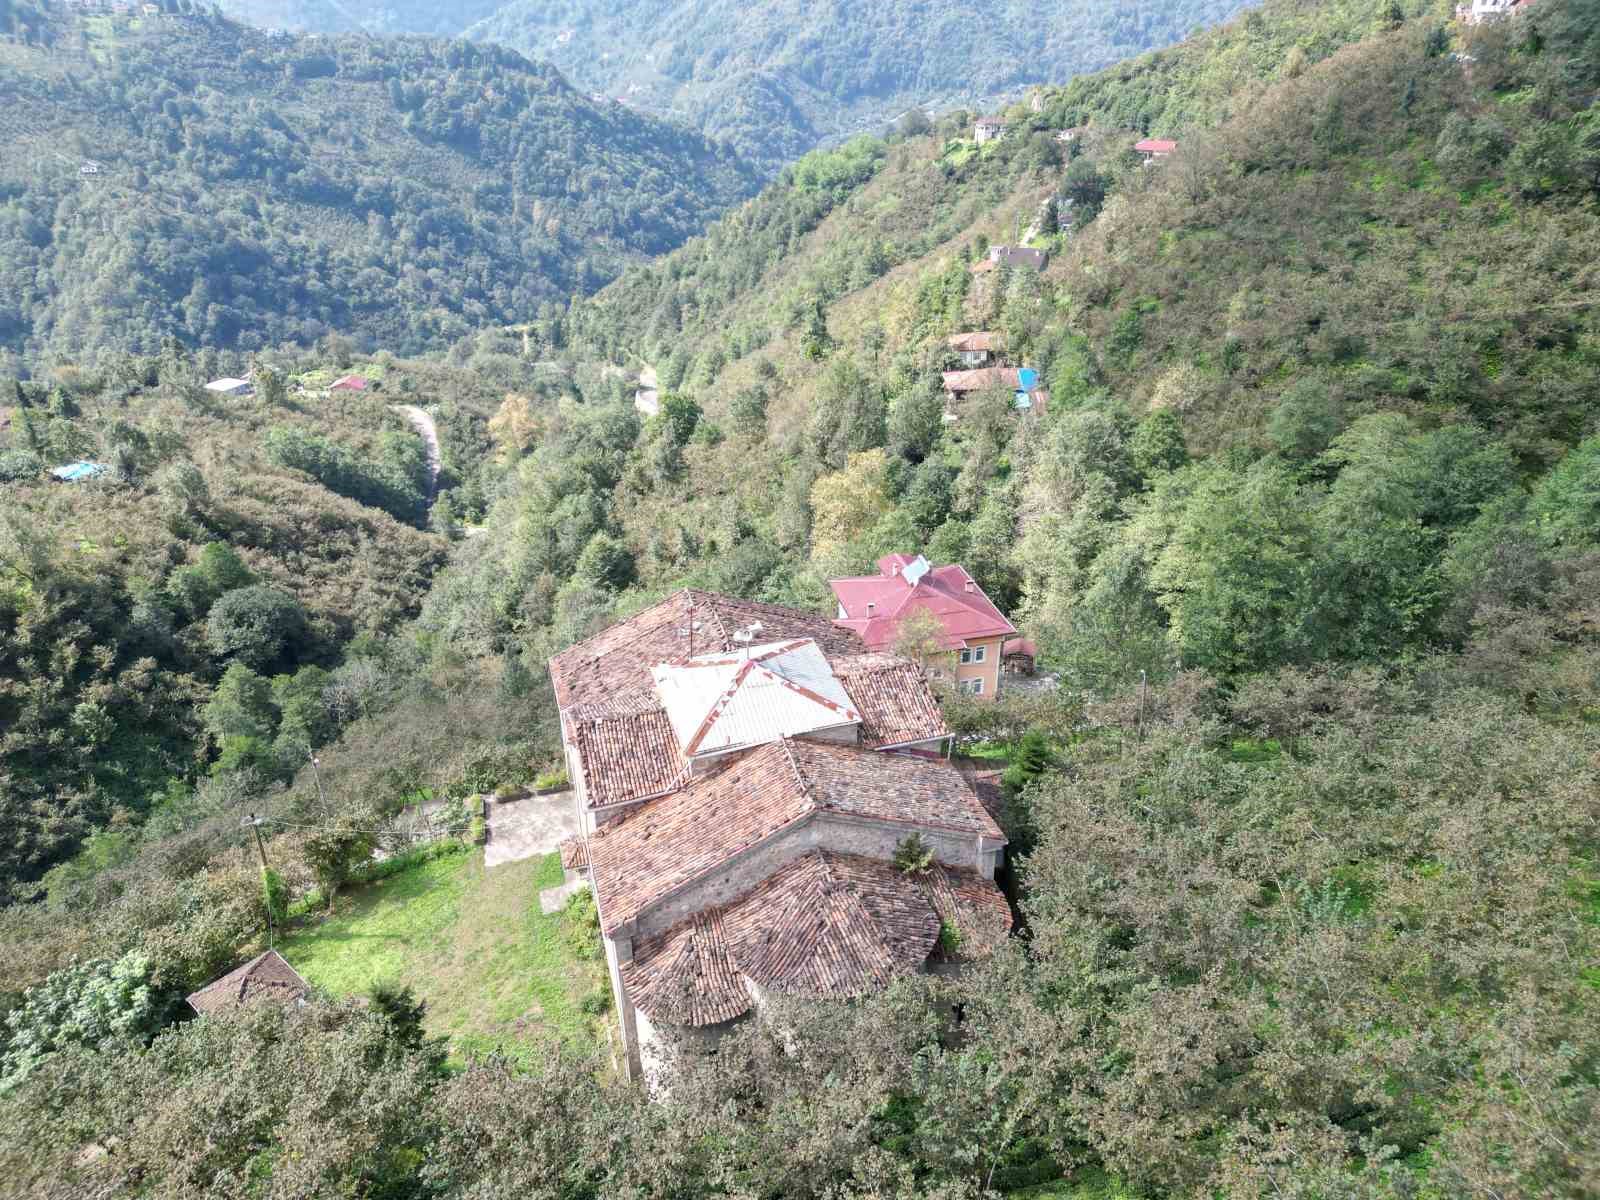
(496,973)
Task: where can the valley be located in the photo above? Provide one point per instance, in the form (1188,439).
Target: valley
(1060,634)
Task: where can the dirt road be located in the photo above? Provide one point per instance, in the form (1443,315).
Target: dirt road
(423,424)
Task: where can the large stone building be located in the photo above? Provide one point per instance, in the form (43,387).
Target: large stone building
(744,776)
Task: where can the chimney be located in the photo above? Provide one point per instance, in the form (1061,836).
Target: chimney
(871,608)
(971,586)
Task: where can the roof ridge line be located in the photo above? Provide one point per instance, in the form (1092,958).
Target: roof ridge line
(717,707)
(794,765)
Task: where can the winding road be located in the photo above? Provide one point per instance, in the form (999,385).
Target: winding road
(423,424)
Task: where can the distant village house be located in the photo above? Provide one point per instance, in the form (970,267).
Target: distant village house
(1480,11)
(1021,382)
(351,383)
(977,349)
(1155,149)
(1011,256)
(228,386)
(986,129)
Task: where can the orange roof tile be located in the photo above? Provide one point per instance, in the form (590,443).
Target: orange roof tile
(667,843)
(823,926)
(896,706)
(612,714)
(684,975)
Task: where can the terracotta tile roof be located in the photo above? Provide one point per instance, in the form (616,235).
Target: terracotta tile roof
(617,661)
(893,698)
(824,926)
(974,906)
(628,756)
(830,926)
(266,976)
(684,975)
(874,605)
(1022,646)
(979,378)
(986,786)
(977,340)
(928,793)
(625,742)
(1156,146)
(574,854)
(665,844)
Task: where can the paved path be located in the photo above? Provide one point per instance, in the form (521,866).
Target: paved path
(423,424)
(528,828)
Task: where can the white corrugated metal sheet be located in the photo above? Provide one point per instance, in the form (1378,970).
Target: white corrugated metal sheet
(720,702)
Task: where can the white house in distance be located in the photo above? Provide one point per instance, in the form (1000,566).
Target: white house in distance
(744,775)
(227,386)
(986,129)
(1490,10)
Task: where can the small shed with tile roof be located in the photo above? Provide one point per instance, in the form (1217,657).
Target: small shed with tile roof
(265,977)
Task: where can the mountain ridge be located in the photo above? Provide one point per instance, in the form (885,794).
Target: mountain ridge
(196,177)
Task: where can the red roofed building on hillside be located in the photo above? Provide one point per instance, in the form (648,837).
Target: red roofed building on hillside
(1155,148)
(350,383)
(971,629)
(744,775)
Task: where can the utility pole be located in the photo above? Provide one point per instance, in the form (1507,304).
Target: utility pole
(316,771)
(254,822)
(1144,685)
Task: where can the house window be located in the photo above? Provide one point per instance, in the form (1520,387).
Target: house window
(966,657)
(980,653)
(972,687)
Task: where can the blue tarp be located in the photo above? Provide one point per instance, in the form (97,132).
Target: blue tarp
(1027,379)
(73,472)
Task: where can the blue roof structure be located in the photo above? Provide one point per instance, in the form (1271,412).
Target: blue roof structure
(75,472)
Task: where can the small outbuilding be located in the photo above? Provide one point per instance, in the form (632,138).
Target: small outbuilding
(1019,656)
(351,383)
(987,129)
(228,386)
(265,977)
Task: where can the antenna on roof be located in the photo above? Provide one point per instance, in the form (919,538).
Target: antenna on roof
(747,635)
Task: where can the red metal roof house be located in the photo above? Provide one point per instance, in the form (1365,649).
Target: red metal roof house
(875,606)
(1155,148)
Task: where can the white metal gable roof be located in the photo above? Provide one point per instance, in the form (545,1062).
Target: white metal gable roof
(720,702)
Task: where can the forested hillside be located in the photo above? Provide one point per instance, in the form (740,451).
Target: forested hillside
(229,547)
(1307,529)
(779,77)
(183,175)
